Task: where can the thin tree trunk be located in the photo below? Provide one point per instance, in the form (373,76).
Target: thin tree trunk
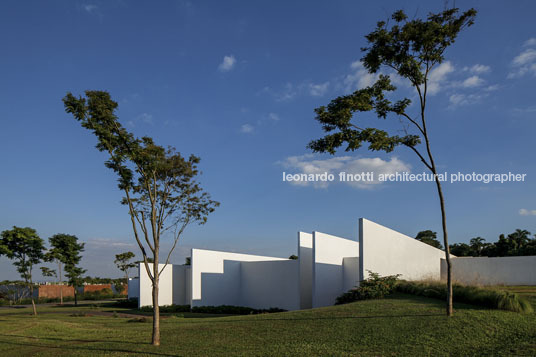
(447,249)
(32,295)
(61,284)
(156,307)
(442,204)
(75,297)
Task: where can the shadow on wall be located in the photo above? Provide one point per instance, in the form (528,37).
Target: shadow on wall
(259,285)
(332,280)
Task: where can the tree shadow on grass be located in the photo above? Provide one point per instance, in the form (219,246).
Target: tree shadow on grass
(78,341)
(437,302)
(317,318)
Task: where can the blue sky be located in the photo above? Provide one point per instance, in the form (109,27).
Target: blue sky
(236,83)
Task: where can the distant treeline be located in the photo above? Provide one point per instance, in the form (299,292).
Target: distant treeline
(514,244)
(518,243)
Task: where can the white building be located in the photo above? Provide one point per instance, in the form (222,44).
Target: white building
(327,266)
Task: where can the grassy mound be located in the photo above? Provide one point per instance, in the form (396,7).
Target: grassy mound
(475,295)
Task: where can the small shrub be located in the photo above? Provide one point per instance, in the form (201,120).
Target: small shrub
(167,309)
(374,287)
(79,314)
(128,303)
(222,309)
(99,295)
(469,294)
(233,310)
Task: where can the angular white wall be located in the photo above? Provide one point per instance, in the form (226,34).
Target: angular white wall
(270,284)
(388,252)
(328,270)
(181,281)
(305,260)
(165,291)
(216,276)
(490,271)
(350,273)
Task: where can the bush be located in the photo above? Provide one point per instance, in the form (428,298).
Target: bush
(98,295)
(474,295)
(374,287)
(127,303)
(167,309)
(222,309)
(234,310)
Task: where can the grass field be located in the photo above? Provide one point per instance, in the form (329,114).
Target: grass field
(401,325)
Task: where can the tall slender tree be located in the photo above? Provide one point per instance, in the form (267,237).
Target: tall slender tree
(69,249)
(412,49)
(62,247)
(159,185)
(26,249)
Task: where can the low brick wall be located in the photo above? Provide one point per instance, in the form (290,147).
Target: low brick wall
(92,288)
(53,291)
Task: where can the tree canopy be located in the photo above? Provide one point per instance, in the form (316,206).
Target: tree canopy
(429,237)
(411,48)
(124,263)
(24,247)
(518,243)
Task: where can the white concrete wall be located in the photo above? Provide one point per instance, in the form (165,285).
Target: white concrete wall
(133,288)
(350,273)
(490,271)
(216,278)
(180,284)
(328,273)
(305,259)
(270,284)
(388,252)
(165,291)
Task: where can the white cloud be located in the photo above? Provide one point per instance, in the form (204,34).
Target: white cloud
(308,164)
(524,63)
(492,88)
(526,212)
(438,76)
(459,99)
(90,7)
(318,90)
(247,128)
(531,109)
(273,116)
(527,56)
(478,69)
(360,78)
(287,93)
(473,81)
(145,118)
(530,42)
(227,64)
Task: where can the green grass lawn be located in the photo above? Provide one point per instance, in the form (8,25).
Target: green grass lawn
(400,325)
